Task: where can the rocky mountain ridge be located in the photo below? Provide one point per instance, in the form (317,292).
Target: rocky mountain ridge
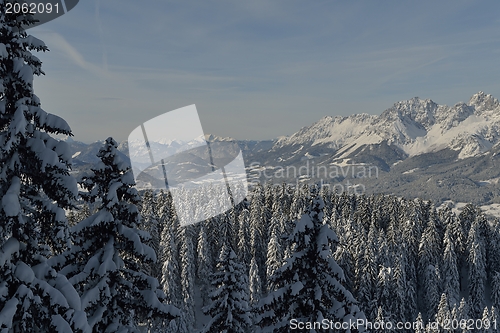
(416,148)
(414,126)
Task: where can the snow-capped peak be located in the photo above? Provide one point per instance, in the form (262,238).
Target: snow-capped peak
(416,109)
(416,126)
(483,102)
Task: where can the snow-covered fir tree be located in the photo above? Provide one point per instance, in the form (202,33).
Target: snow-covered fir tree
(274,255)
(170,275)
(386,291)
(367,291)
(343,256)
(443,315)
(151,223)
(463,312)
(188,273)
(229,310)
(244,238)
(419,324)
(485,319)
(107,261)
(451,278)
(204,264)
(309,284)
(495,290)
(429,255)
(493,319)
(254,284)
(493,249)
(170,281)
(400,289)
(258,232)
(35,188)
(477,267)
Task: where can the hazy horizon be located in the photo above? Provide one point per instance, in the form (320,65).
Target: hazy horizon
(260,70)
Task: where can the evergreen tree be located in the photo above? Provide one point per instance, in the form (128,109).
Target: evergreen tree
(150,223)
(354,244)
(493,319)
(229,309)
(386,292)
(493,253)
(411,234)
(429,254)
(255,286)
(380,320)
(107,261)
(170,281)
(467,217)
(187,267)
(443,315)
(432,291)
(258,232)
(495,290)
(367,287)
(204,260)
(463,313)
(297,206)
(244,252)
(309,284)
(170,274)
(344,259)
(484,327)
(400,286)
(35,188)
(278,213)
(419,325)
(274,256)
(477,268)
(451,284)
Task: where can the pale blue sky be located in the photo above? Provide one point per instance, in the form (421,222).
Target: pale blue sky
(260,69)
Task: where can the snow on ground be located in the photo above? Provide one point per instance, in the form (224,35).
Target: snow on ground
(345,162)
(491,210)
(410,171)
(488,181)
(307,156)
(437,138)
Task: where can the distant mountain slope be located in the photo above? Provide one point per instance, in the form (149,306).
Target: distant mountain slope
(416,148)
(415,126)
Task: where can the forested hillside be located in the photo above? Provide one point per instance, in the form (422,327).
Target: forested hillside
(402,260)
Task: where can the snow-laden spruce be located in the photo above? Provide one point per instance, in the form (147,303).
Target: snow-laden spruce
(204,264)
(308,287)
(150,222)
(108,261)
(188,273)
(229,310)
(35,188)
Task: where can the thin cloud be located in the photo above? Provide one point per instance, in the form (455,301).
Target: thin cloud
(58,42)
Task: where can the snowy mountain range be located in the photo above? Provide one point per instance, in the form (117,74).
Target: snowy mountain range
(415,126)
(416,148)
